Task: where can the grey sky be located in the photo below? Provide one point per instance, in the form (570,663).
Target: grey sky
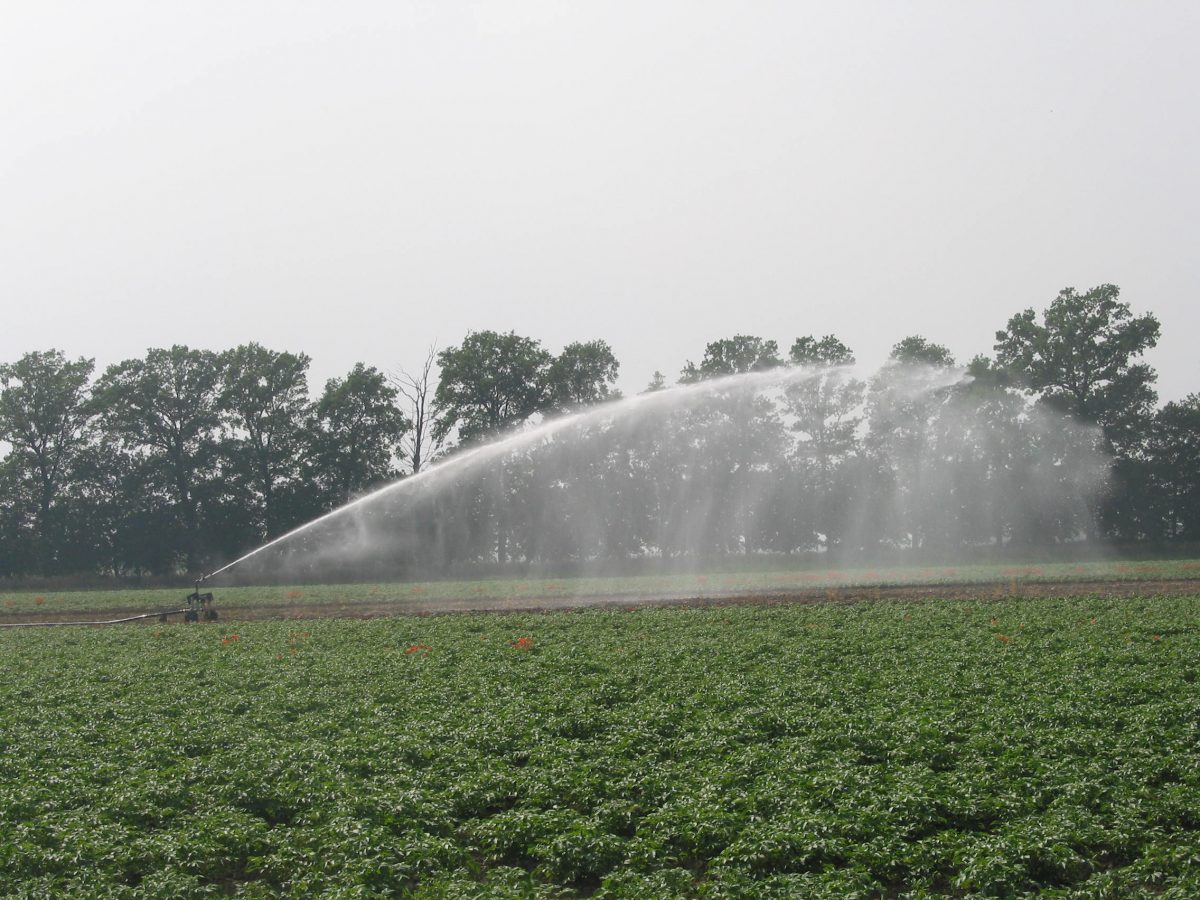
(356,181)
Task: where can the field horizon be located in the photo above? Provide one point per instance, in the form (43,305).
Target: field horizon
(530,594)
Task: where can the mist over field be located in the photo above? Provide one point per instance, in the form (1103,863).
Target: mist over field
(860,466)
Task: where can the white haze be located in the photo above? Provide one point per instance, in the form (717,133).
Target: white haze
(724,468)
(358,180)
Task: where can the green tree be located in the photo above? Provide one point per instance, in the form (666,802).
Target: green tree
(733,356)
(1082,358)
(1174,455)
(491,382)
(18,522)
(45,415)
(357,429)
(738,439)
(167,406)
(828,351)
(824,411)
(264,399)
(917,350)
(903,404)
(986,376)
(583,375)
(121,518)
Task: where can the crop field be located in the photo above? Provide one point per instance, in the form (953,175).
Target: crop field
(745,579)
(879,749)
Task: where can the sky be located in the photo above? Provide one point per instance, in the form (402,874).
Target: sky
(361,181)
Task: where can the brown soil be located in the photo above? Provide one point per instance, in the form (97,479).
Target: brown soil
(369,609)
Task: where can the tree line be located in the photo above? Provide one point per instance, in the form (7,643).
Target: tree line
(165,463)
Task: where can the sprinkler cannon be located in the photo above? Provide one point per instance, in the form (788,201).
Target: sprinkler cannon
(199,606)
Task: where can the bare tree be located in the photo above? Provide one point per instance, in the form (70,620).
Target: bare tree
(423,440)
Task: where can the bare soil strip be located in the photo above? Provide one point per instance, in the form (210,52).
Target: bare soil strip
(376,608)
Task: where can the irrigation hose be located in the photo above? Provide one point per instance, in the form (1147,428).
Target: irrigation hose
(152,615)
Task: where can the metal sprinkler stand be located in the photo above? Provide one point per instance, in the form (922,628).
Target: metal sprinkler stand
(199,606)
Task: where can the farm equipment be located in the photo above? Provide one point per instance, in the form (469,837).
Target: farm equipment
(199,606)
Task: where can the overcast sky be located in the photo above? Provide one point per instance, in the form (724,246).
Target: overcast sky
(359,180)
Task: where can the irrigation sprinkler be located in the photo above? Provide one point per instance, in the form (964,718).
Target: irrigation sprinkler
(199,606)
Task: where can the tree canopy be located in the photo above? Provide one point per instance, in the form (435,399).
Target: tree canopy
(583,374)
(1083,357)
(918,350)
(265,401)
(490,382)
(45,414)
(828,351)
(167,404)
(356,433)
(182,456)
(733,356)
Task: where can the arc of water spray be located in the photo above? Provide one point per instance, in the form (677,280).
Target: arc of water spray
(516,440)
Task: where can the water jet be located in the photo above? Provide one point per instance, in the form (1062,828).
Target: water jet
(795,460)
